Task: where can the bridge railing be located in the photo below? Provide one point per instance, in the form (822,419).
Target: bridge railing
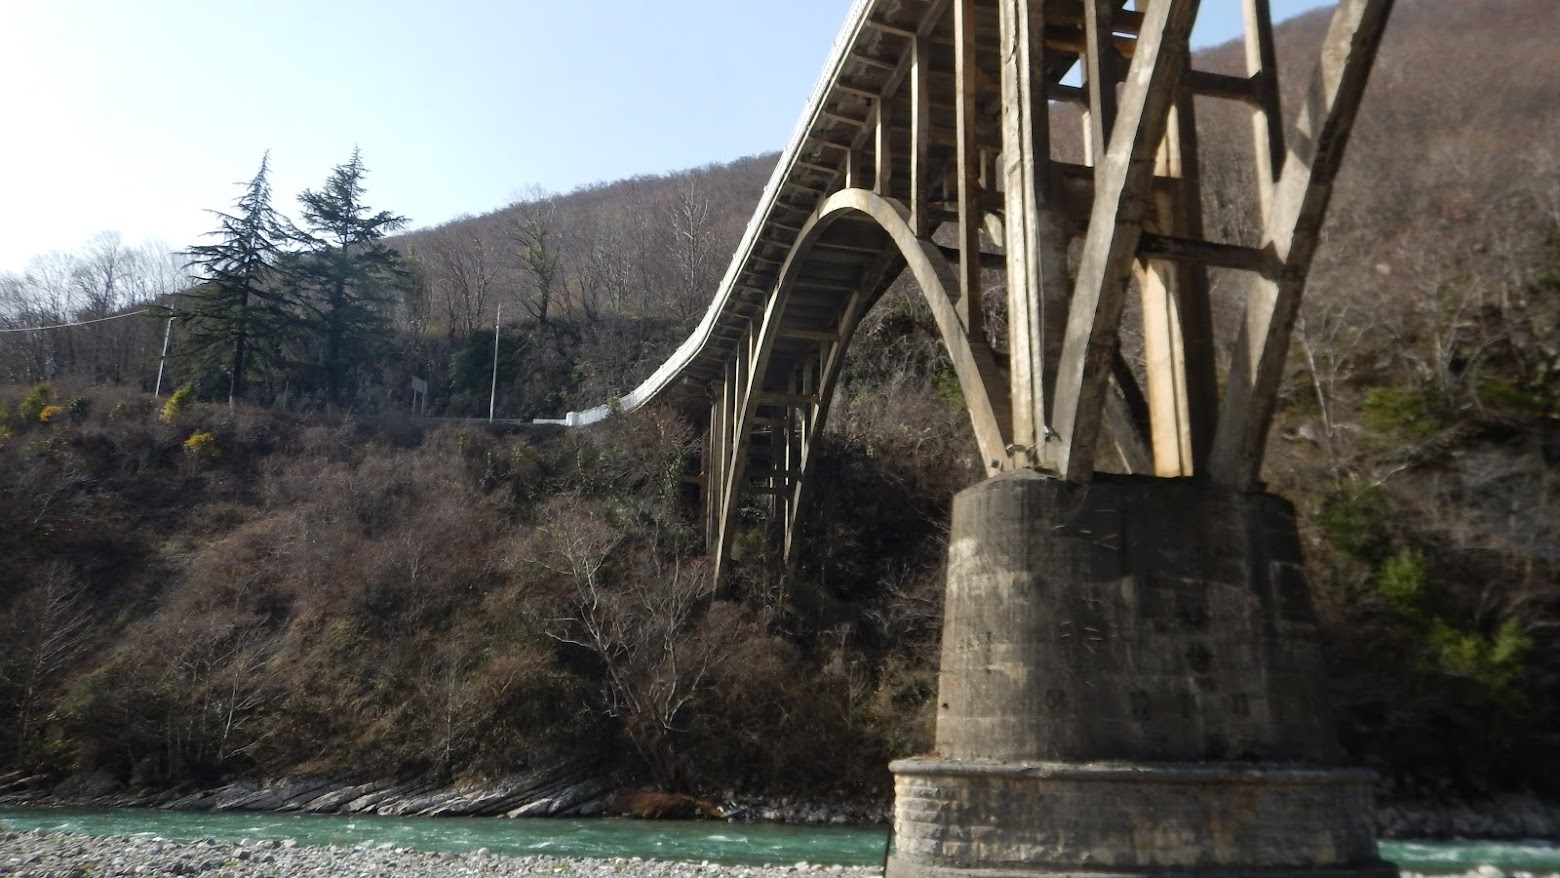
(668,371)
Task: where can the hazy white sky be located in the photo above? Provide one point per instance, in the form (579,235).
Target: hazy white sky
(138,115)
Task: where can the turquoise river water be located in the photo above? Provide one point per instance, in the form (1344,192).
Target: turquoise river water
(746,843)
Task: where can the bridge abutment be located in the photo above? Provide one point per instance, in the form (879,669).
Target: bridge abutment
(1131,684)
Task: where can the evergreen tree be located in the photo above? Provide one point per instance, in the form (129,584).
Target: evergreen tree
(346,276)
(237,314)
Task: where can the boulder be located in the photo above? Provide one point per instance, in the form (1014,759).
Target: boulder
(390,803)
(371,800)
(335,799)
(537,808)
(568,801)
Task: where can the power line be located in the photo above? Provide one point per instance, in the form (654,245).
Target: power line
(81,323)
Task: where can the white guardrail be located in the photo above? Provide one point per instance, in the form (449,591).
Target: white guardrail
(690,348)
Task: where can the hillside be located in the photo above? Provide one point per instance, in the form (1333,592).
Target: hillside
(198,593)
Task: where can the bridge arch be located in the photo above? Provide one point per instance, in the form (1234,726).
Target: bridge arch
(797,403)
(902,136)
(972,359)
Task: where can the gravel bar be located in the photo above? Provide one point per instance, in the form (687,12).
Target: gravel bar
(41,854)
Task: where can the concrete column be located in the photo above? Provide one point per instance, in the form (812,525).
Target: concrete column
(1131,683)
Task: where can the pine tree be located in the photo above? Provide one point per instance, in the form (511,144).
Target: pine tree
(345,277)
(237,314)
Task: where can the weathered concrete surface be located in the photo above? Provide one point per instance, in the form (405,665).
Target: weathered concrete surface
(1130,818)
(1131,683)
(1130,618)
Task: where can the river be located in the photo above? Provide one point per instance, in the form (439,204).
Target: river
(730,843)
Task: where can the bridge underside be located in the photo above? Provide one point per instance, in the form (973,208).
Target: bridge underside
(1129,668)
(929,146)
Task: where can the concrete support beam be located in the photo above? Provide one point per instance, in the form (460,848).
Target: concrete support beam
(966,73)
(1036,245)
(1293,229)
(1120,202)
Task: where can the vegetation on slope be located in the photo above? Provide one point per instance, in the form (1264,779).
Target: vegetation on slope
(190,592)
(198,592)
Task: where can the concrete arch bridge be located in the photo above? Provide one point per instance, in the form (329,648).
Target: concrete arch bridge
(927,147)
(1131,677)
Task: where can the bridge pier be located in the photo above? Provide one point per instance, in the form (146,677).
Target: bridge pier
(1131,684)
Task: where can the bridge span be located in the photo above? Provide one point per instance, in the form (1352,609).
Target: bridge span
(1131,677)
(927,147)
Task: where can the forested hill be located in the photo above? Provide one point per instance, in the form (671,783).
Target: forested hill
(314,581)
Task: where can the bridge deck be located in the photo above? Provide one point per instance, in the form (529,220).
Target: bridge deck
(927,138)
(874,55)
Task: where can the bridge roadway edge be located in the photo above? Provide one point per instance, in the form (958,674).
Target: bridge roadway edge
(667,373)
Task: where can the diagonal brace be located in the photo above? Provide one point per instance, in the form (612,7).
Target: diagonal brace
(1115,224)
(1293,230)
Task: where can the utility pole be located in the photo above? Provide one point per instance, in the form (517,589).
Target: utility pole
(493,394)
(163,363)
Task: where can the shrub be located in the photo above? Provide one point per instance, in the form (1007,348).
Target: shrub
(133,409)
(32,405)
(1397,413)
(202,444)
(78,407)
(1402,582)
(49,412)
(1507,397)
(178,402)
(1493,662)
(1359,523)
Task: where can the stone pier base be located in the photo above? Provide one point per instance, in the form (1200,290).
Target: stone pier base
(1131,684)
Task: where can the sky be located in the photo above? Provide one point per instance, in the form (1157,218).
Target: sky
(139,117)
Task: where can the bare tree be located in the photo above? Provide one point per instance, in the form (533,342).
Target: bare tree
(242,689)
(411,313)
(692,250)
(100,280)
(465,264)
(1328,335)
(645,232)
(599,277)
(220,663)
(456,705)
(51,628)
(650,630)
(154,271)
(535,236)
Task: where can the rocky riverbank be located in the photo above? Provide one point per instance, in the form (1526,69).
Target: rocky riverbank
(554,792)
(62,855)
(566,791)
(1505,817)
(40,854)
